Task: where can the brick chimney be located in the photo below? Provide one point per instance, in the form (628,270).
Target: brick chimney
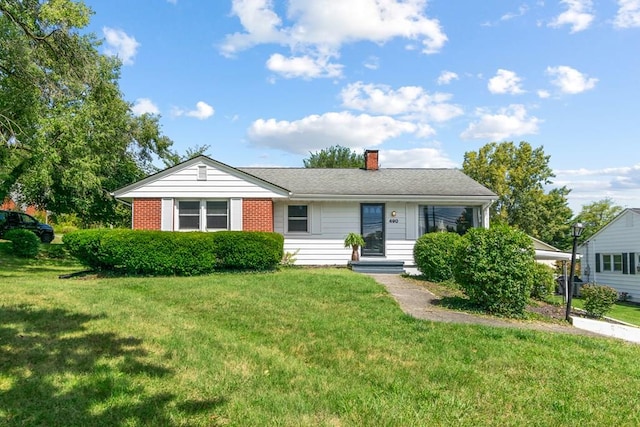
(371,160)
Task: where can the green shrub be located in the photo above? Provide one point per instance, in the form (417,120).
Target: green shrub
(170,253)
(163,253)
(248,250)
(85,246)
(598,299)
(435,255)
(494,268)
(544,285)
(25,243)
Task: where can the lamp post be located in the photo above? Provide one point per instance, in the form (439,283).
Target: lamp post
(576,231)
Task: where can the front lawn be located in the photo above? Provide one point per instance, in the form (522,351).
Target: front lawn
(296,347)
(626,311)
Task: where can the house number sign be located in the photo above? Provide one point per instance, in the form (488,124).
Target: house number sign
(393,220)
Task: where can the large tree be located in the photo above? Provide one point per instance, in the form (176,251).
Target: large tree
(67,137)
(595,215)
(519,175)
(335,157)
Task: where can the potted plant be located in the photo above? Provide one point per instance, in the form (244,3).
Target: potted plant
(355,241)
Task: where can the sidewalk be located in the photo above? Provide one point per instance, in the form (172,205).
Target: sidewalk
(419,303)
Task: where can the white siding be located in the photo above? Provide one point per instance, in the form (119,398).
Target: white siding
(337,219)
(184,184)
(235,210)
(620,236)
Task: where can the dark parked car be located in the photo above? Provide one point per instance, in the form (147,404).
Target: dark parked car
(10,220)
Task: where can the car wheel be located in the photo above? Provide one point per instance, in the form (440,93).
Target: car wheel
(46,238)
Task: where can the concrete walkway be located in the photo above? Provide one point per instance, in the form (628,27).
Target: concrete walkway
(420,303)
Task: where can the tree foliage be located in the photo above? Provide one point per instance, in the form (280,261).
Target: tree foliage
(519,175)
(67,136)
(335,157)
(594,216)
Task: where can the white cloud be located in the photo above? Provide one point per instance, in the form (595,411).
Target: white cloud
(303,66)
(319,29)
(621,184)
(311,133)
(570,80)
(202,111)
(579,15)
(446,77)
(172,1)
(522,10)
(416,158)
(543,94)
(628,15)
(372,63)
(505,81)
(120,44)
(410,102)
(508,122)
(144,106)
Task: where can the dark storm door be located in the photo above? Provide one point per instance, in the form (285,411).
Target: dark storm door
(372,220)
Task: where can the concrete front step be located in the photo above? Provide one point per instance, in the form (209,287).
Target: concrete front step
(382,266)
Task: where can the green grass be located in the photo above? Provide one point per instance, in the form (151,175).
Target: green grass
(625,311)
(293,348)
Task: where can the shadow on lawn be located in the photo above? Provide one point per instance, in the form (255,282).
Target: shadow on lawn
(54,372)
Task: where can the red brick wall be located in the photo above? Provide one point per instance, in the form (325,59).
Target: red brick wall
(257,215)
(147,214)
(10,205)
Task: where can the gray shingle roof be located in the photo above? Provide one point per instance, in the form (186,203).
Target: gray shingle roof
(360,182)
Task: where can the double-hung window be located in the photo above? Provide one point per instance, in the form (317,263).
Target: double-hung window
(298,219)
(203,215)
(217,215)
(612,262)
(189,215)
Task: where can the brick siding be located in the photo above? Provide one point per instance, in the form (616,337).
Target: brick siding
(147,214)
(257,215)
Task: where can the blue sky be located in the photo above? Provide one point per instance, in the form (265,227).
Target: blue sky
(266,82)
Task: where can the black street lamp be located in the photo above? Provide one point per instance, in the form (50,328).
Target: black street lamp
(576,231)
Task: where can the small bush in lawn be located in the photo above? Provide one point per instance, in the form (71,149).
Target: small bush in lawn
(435,255)
(544,284)
(25,243)
(494,268)
(598,299)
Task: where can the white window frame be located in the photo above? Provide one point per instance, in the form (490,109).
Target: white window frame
(308,218)
(207,215)
(202,214)
(611,260)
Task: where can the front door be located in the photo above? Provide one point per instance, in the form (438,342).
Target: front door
(372,220)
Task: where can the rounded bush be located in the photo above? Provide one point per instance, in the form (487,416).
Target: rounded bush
(544,284)
(435,255)
(26,244)
(598,299)
(494,268)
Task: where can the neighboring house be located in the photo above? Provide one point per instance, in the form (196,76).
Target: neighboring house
(549,255)
(612,255)
(9,205)
(313,208)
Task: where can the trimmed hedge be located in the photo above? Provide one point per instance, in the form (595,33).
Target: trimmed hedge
(495,269)
(170,253)
(243,250)
(435,255)
(26,243)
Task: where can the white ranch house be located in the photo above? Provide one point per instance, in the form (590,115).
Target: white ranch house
(313,208)
(612,255)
